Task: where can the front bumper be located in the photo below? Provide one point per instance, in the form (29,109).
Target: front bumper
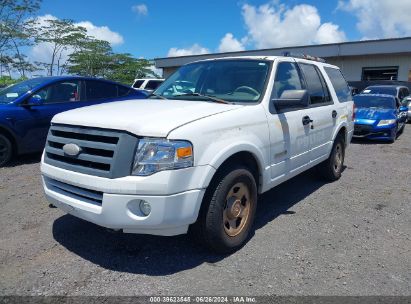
(374,132)
(174,196)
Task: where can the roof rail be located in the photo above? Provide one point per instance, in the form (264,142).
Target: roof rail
(303,56)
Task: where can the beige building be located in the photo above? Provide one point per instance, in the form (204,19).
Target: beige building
(385,59)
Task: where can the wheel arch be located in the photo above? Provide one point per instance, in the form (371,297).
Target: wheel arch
(6,132)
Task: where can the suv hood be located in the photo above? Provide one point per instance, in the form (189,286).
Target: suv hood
(144,117)
(375,113)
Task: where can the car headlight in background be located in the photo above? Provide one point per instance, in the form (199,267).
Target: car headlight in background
(386,122)
(154,155)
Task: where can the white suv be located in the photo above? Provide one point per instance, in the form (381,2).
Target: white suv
(200,159)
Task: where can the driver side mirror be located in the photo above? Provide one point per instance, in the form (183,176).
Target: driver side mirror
(35,100)
(403,108)
(292,99)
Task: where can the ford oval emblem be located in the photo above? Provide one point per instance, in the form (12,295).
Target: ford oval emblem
(71,149)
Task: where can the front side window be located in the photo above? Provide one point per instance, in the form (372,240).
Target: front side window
(100,89)
(65,91)
(239,80)
(286,78)
(138,84)
(340,85)
(11,93)
(315,84)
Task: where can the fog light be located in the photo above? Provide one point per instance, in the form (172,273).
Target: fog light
(145,208)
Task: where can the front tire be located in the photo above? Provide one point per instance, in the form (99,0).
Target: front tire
(6,150)
(331,168)
(228,211)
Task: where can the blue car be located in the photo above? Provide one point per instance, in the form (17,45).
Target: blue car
(379,116)
(27,108)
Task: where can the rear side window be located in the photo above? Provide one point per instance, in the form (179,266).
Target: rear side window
(100,90)
(340,85)
(316,86)
(138,84)
(153,84)
(286,78)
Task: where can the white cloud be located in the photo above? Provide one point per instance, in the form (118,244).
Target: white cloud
(102,33)
(195,49)
(380,19)
(230,44)
(140,9)
(42,52)
(276,25)
(329,32)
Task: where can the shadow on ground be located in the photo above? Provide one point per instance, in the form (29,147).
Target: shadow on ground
(26,159)
(153,255)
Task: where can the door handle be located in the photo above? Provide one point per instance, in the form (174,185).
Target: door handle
(334,114)
(307,120)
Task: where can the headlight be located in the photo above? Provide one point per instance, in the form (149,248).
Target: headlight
(154,155)
(386,122)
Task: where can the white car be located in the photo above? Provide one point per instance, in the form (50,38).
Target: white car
(148,84)
(200,159)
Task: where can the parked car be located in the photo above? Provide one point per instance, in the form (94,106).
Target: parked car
(400,92)
(407,103)
(379,116)
(199,159)
(27,108)
(147,84)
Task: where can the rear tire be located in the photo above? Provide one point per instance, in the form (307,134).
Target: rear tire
(228,210)
(331,168)
(6,150)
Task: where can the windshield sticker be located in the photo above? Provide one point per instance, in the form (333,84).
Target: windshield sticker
(262,63)
(367,91)
(12,95)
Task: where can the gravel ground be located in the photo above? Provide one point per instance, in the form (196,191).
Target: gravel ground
(351,237)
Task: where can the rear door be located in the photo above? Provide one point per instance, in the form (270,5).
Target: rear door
(290,147)
(323,112)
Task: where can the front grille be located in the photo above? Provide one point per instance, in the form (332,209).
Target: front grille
(362,129)
(82,194)
(104,153)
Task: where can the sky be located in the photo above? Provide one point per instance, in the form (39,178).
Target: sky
(160,28)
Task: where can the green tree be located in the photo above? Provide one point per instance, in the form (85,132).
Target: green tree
(125,68)
(63,37)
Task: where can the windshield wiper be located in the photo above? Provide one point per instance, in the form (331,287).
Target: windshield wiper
(209,97)
(159,96)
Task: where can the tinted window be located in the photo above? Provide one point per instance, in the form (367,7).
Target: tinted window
(153,84)
(100,90)
(66,91)
(123,91)
(286,78)
(318,94)
(340,85)
(138,84)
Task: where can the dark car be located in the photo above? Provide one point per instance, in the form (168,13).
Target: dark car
(27,108)
(379,116)
(400,92)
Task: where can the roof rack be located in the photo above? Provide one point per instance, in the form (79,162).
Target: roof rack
(303,56)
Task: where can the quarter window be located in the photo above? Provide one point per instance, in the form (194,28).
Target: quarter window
(340,85)
(138,84)
(316,86)
(100,90)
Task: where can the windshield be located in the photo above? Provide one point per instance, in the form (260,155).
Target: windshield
(228,80)
(13,92)
(380,90)
(374,102)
